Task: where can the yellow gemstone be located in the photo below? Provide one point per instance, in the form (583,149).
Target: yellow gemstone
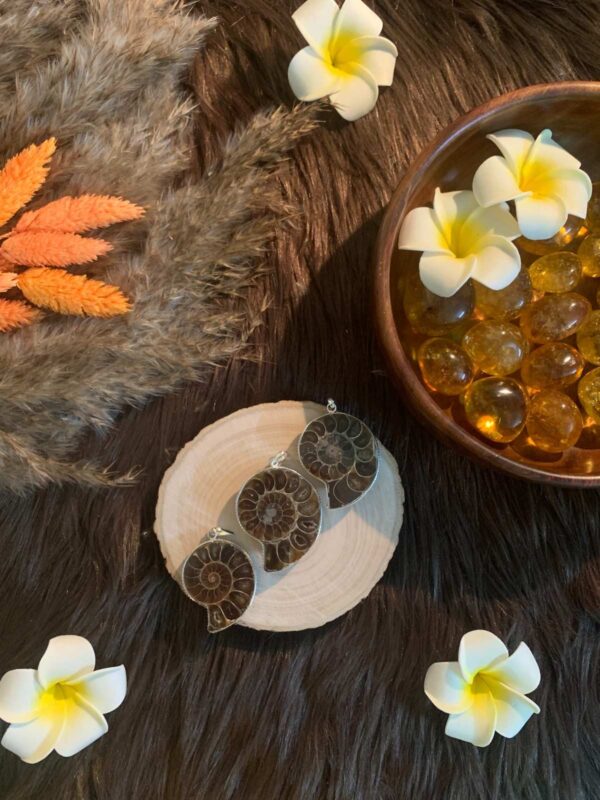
(588,338)
(552,366)
(497,407)
(592,220)
(569,236)
(497,348)
(589,253)
(554,422)
(433,315)
(555,317)
(556,272)
(506,303)
(445,366)
(589,393)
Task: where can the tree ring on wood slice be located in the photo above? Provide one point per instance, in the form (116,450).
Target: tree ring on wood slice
(348,558)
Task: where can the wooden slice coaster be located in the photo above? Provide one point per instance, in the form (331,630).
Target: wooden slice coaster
(351,553)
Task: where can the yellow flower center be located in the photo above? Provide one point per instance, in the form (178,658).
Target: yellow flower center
(343,49)
(55,701)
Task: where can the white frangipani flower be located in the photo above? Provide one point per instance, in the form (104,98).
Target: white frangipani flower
(541,177)
(462,240)
(484,691)
(346,59)
(59,706)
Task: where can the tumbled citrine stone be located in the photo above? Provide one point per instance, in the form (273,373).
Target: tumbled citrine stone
(497,347)
(588,391)
(556,272)
(552,366)
(554,422)
(497,407)
(445,366)
(555,317)
(592,220)
(505,303)
(433,315)
(588,338)
(589,253)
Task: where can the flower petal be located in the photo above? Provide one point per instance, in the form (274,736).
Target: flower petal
(33,741)
(452,209)
(443,273)
(485,221)
(546,155)
(66,658)
(105,689)
(419,231)
(514,146)
(512,708)
(355,18)
(572,186)
(478,650)
(357,93)
(315,20)
(477,724)
(375,53)
(520,671)
(310,77)
(446,687)
(540,217)
(19,694)
(498,262)
(82,726)
(494,182)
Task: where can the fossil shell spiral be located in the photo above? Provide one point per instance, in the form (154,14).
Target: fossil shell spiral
(280,509)
(219,576)
(341,451)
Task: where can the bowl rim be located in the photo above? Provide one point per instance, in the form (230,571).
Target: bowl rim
(400,368)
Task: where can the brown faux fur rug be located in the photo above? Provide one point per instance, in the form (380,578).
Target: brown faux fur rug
(337,713)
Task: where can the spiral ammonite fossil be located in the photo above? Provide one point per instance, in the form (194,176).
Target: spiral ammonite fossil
(219,576)
(280,509)
(341,451)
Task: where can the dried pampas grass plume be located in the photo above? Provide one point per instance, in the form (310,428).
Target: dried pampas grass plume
(188,266)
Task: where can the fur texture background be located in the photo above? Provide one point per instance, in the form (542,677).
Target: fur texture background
(337,713)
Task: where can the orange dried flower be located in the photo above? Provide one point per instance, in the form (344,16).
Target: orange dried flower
(4,264)
(60,291)
(7,281)
(50,249)
(22,176)
(79,214)
(16,314)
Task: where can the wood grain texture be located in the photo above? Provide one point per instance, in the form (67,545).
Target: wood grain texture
(336,713)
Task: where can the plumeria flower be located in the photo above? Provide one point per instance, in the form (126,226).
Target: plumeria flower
(462,240)
(484,691)
(60,705)
(541,177)
(346,59)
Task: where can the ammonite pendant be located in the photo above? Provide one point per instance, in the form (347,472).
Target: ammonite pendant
(280,509)
(219,576)
(341,451)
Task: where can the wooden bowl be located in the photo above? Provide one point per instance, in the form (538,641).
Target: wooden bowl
(572,111)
